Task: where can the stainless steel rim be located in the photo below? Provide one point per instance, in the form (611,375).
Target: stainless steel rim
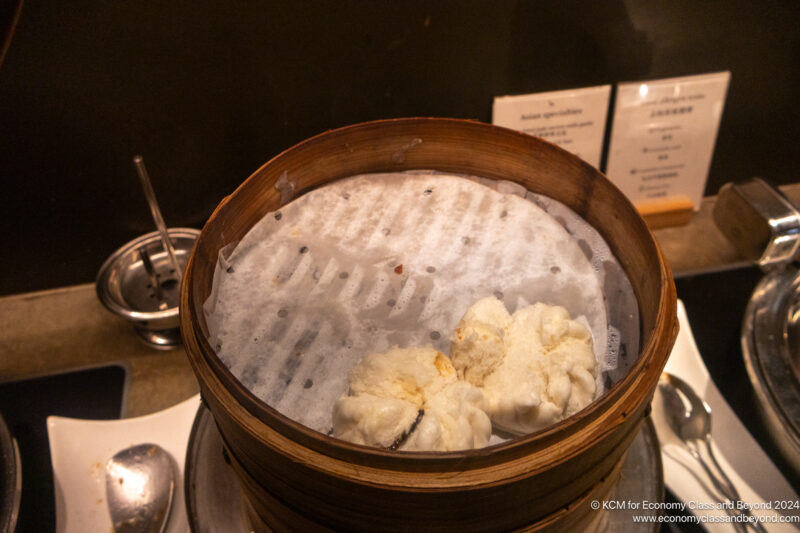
(12,479)
(105,271)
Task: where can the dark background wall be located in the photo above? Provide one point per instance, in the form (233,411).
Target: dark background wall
(209,91)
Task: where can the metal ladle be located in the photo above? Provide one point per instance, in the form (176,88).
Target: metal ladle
(140,483)
(689,418)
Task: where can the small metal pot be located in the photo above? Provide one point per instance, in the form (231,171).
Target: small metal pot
(138,282)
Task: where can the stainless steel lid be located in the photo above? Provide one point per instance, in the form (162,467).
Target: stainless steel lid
(138,282)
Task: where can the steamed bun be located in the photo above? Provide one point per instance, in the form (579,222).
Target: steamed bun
(411,399)
(535,367)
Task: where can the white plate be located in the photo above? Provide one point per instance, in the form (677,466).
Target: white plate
(79,450)
(749,468)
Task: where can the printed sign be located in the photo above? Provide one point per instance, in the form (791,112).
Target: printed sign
(663,137)
(574,119)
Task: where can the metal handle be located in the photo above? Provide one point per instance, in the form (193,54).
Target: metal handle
(704,454)
(760,221)
(156,212)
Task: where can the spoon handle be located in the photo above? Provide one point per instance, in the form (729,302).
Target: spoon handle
(147,187)
(705,456)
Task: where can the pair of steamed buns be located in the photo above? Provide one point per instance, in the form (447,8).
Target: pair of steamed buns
(520,372)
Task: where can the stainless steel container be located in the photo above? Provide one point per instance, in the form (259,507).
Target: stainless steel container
(138,282)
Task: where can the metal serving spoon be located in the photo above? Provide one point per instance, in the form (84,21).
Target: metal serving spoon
(140,482)
(689,417)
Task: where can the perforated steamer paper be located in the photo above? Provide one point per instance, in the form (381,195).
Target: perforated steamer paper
(371,262)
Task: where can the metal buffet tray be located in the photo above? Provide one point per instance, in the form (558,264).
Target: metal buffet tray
(765,226)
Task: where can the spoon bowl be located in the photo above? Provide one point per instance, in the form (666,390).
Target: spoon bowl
(140,483)
(687,413)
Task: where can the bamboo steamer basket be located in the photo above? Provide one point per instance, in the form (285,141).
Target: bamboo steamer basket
(295,478)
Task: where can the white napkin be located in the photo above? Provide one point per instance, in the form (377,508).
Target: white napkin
(748,467)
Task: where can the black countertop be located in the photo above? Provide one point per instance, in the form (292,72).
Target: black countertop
(93,394)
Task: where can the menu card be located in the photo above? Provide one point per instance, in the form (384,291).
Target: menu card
(663,138)
(574,119)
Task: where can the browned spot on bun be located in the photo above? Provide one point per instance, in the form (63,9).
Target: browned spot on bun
(443,364)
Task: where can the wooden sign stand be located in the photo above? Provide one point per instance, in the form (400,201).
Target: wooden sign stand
(667,212)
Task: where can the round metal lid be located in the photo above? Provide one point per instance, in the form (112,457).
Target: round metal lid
(771,348)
